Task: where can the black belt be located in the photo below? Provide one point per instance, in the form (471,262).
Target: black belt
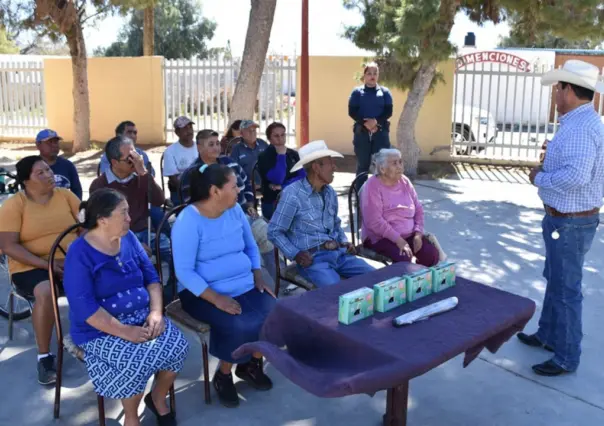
(327,246)
(555,213)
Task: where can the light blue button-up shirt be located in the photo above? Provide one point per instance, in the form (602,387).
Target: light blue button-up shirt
(572,179)
(305,218)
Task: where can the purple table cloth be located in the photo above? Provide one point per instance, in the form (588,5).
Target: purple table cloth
(303,339)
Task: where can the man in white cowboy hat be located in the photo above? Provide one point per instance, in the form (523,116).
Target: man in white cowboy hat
(306,226)
(570,182)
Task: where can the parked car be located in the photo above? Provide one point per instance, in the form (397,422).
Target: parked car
(472,125)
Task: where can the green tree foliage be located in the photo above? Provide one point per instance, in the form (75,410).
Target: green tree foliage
(410,38)
(6,44)
(520,37)
(180,32)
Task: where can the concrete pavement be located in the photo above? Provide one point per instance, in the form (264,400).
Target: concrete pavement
(492,230)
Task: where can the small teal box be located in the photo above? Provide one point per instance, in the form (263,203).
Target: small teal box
(390,293)
(443,276)
(419,284)
(356,305)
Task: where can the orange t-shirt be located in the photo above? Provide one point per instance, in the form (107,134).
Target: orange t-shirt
(39,225)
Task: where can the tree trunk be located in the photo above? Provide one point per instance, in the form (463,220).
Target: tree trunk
(149,31)
(405,129)
(254,56)
(81,101)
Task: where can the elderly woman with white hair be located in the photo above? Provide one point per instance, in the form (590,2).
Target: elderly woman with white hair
(393,217)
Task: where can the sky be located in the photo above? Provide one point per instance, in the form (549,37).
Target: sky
(327,20)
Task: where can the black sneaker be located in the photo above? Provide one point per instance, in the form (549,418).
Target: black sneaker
(47,372)
(253,373)
(225,388)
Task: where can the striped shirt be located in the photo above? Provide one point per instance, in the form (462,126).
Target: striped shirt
(305,218)
(243,183)
(572,179)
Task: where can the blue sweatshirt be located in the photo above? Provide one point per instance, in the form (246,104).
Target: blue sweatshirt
(66,176)
(370,102)
(217,253)
(276,169)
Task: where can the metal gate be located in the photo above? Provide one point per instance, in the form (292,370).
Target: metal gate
(22,105)
(502,113)
(203,90)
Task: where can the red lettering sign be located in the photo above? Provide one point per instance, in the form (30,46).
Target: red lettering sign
(500,57)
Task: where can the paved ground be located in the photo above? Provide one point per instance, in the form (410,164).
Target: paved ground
(488,222)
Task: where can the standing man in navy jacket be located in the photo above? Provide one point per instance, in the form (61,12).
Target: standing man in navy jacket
(66,175)
(370,106)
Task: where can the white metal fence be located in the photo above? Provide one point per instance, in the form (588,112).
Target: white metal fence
(22,105)
(203,90)
(502,113)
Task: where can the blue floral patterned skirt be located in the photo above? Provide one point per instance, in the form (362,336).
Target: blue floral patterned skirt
(121,369)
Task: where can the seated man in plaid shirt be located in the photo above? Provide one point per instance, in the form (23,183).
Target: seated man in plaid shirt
(306,226)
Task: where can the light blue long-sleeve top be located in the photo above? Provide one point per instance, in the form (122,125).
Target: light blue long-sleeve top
(573,171)
(217,253)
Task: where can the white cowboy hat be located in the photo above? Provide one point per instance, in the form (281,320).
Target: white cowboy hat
(576,72)
(313,151)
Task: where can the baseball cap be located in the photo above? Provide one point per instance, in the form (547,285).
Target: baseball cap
(181,122)
(46,134)
(246,124)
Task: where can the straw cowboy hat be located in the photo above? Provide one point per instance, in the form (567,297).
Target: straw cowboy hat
(313,151)
(576,72)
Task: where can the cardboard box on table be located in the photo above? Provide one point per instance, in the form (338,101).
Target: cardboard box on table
(390,293)
(419,284)
(443,276)
(356,305)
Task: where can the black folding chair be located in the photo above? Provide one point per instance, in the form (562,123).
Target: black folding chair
(290,272)
(18,306)
(256,185)
(356,222)
(175,311)
(65,342)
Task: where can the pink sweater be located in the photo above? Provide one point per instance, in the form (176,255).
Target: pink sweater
(390,211)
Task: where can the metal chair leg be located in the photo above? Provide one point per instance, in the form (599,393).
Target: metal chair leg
(172,400)
(277,273)
(206,371)
(59,379)
(11,307)
(101,403)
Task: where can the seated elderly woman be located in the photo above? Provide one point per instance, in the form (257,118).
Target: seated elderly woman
(217,266)
(116,311)
(30,222)
(274,166)
(393,217)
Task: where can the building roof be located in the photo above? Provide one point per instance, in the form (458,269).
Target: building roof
(585,52)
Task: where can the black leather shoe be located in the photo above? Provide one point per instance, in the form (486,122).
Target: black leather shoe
(549,368)
(532,340)
(225,388)
(162,420)
(253,373)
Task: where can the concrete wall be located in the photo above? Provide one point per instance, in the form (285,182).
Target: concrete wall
(120,89)
(332,79)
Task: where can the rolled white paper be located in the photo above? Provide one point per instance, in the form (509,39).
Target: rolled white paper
(426,312)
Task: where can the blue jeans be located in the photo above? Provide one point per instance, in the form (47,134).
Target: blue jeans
(268,210)
(164,244)
(330,266)
(560,325)
(157,214)
(365,145)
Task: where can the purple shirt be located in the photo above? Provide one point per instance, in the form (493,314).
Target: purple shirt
(390,211)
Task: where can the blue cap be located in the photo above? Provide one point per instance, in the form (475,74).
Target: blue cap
(45,135)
